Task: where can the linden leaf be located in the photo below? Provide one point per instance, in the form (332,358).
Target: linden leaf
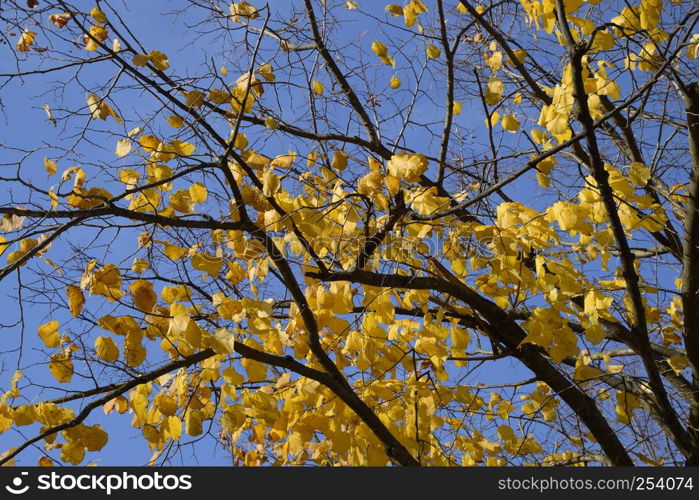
(98,15)
(106,349)
(265,71)
(433,52)
(159,60)
(144,298)
(139,266)
(76,300)
(49,334)
(639,173)
(50,166)
(510,123)
(197,192)
(270,183)
(139,59)
(123,147)
(73,453)
(175,121)
(207,263)
(494,91)
(396,10)
(61,367)
(678,362)
(193,422)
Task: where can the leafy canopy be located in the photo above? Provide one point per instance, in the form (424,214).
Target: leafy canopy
(356,233)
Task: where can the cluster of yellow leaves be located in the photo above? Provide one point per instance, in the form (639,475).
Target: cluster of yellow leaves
(26,40)
(155,57)
(406,166)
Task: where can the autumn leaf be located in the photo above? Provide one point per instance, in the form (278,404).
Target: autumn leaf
(49,334)
(76,300)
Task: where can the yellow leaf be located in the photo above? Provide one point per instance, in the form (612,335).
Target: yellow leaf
(678,362)
(194,99)
(406,166)
(271,123)
(396,10)
(350,5)
(144,298)
(639,173)
(49,334)
(193,422)
(265,71)
(510,123)
(100,109)
(72,452)
(94,438)
(520,56)
(166,404)
(106,349)
(159,60)
(173,252)
(50,166)
(284,162)
(139,266)
(76,300)
(61,367)
(494,91)
(123,147)
(26,40)
(175,121)
(395,82)
(243,10)
(182,148)
(97,35)
(433,52)
(270,183)
(171,427)
(222,342)
(59,20)
(232,419)
(139,59)
(198,193)
(380,49)
(182,201)
(207,263)
(98,15)
(412,10)
(318,87)
(457,107)
(491,121)
(339,161)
